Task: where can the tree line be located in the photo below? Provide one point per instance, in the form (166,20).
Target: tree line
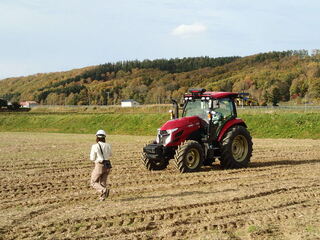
(268,77)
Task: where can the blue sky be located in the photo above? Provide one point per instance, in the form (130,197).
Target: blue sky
(59,35)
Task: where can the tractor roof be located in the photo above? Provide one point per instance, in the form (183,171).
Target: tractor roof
(215,95)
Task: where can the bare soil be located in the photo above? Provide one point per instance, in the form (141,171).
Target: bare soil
(45,192)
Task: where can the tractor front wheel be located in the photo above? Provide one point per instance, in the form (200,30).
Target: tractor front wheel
(236,148)
(154,164)
(189,156)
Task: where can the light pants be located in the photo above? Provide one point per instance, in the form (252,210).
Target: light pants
(99,177)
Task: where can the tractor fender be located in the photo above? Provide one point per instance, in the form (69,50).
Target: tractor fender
(229,124)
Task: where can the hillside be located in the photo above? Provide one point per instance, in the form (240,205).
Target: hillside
(268,77)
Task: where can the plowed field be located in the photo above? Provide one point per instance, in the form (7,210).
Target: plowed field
(45,193)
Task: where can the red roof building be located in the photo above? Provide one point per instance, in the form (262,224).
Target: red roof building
(29,104)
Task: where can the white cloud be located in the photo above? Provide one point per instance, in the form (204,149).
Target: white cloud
(185,30)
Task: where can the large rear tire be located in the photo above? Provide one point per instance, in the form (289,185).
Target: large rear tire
(189,156)
(236,148)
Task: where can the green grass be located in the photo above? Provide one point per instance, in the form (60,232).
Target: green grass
(264,125)
(312,229)
(150,108)
(132,124)
(253,228)
(283,125)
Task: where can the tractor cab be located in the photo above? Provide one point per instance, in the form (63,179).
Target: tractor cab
(210,106)
(207,119)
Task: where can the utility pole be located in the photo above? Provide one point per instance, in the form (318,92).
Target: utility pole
(108,94)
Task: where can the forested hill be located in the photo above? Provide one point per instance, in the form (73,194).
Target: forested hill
(269,77)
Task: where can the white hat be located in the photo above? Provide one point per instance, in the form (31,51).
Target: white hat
(101,133)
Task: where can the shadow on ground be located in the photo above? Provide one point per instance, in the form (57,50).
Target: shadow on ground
(180,194)
(282,162)
(217,167)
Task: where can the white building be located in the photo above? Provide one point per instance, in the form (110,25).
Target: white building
(129,103)
(29,104)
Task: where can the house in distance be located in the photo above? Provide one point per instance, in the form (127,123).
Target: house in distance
(129,103)
(28,104)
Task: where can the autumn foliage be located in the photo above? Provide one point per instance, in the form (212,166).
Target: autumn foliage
(269,77)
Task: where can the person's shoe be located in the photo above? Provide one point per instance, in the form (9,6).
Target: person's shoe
(101,199)
(106,193)
(103,193)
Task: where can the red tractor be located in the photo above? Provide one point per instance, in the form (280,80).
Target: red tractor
(209,129)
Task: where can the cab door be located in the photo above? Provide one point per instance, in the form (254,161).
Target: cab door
(228,112)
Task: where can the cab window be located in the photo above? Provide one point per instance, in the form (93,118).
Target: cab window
(196,108)
(225,107)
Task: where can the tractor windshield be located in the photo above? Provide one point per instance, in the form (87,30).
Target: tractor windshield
(196,108)
(199,108)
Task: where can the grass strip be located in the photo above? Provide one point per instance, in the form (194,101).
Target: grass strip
(275,125)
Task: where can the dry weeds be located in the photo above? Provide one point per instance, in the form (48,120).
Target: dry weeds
(45,193)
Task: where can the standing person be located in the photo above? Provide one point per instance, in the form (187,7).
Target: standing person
(100,154)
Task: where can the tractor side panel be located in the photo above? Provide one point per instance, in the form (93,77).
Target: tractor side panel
(180,122)
(182,134)
(228,125)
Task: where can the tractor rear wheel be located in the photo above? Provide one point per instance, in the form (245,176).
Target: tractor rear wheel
(189,156)
(236,148)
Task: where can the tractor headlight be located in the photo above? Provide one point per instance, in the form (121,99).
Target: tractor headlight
(165,136)
(168,139)
(170,131)
(158,136)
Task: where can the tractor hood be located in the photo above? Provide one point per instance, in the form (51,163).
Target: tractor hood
(184,122)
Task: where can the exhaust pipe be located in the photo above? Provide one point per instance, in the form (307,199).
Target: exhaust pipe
(176,108)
